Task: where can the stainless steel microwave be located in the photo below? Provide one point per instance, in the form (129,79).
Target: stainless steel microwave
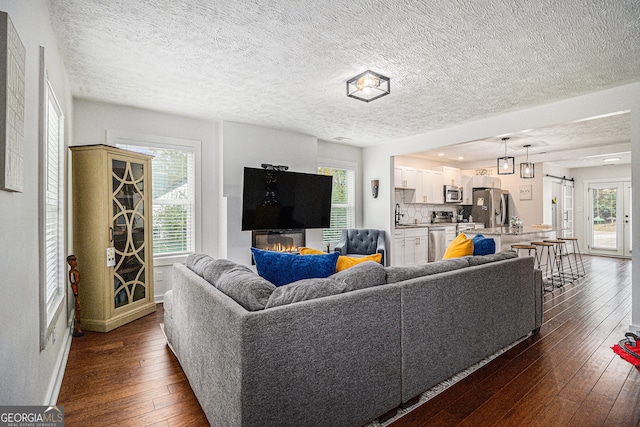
(452,194)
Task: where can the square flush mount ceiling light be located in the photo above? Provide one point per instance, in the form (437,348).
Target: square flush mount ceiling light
(368,86)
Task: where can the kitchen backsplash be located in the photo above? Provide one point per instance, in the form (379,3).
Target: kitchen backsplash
(420,212)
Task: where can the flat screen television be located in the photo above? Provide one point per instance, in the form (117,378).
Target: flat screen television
(276,200)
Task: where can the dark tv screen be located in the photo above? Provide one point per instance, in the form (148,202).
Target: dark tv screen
(273,200)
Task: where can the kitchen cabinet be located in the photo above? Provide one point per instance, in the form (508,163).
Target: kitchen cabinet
(405,177)
(112,235)
(420,185)
(486,181)
(398,248)
(467,190)
(437,187)
(449,234)
(411,246)
(451,176)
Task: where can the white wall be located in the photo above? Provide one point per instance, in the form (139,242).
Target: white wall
(377,160)
(29,376)
(250,146)
(92,119)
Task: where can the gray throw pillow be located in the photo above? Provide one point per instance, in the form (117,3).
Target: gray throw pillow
(214,269)
(304,290)
(196,262)
(362,276)
(245,287)
(484,259)
(399,274)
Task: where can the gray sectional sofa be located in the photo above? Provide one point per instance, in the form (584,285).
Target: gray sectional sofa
(375,338)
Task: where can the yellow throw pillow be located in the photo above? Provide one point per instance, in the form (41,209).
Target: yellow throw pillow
(309,251)
(345,262)
(459,247)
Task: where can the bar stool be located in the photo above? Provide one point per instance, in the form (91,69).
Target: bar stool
(528,248)
(560,251)
(549,270)
(576,254)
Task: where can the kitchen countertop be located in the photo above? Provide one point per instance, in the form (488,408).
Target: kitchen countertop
(508,231)
(433,224)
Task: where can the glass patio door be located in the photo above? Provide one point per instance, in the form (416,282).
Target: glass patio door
(610,218)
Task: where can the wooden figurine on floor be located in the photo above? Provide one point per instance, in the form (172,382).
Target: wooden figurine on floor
(74,278)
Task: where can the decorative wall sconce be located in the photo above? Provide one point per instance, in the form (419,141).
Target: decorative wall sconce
(375,184)
(368,86)
(506,165)
(526,168)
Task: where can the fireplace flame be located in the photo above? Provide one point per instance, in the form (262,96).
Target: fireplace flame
(279,247)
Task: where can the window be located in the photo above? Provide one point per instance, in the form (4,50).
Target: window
(52,213)
(342,202)
(173,182)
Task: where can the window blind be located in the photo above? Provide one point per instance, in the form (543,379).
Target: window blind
(173,193)
(342,202)
(53,216)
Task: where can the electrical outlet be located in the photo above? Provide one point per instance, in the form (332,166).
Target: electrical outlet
(159,276)
(111,257)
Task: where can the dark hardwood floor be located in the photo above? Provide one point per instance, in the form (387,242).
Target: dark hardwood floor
(565,376)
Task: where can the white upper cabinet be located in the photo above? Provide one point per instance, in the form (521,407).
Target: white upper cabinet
(451,176)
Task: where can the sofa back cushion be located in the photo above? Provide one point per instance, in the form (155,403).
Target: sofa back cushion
(483,259)
(398,274)
(304,290)
(197,261)
(245,287)
(361,276)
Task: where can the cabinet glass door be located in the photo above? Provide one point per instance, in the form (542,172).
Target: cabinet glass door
(129,284)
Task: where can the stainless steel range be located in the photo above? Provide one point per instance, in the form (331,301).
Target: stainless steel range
(442,216)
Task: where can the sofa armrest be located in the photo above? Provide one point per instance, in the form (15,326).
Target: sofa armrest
(380,249)
(342,245)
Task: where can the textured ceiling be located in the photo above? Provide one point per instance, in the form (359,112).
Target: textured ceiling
(284,63)
(584,143)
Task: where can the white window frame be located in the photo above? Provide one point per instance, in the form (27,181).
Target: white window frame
(52,259)
(117,137)
(353,166)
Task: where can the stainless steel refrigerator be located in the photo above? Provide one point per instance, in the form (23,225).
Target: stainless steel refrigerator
(490,206)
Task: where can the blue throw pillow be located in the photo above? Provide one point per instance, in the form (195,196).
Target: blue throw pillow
(283,268)
(483,245)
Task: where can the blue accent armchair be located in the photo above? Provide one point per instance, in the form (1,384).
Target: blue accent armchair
(362,241)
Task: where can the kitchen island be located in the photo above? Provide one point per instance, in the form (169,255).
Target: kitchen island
(507,236)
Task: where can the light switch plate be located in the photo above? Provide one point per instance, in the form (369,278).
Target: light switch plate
(111,257)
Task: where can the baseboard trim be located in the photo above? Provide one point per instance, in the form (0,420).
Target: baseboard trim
(61,364)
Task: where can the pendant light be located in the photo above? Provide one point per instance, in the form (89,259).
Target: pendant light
(506,165)
(526,168)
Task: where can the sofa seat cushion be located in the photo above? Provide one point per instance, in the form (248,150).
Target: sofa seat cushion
(459,247)
(362,276)
(284,268)
(483,259)
(399,274)
(304,290)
